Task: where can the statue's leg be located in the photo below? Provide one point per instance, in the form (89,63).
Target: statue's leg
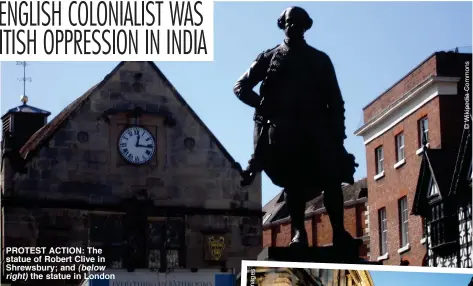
(295,203)
(334,204)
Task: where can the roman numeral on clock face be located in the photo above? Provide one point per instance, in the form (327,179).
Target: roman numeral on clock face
(137,145)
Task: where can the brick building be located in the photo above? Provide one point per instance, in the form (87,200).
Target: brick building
(277,225)
(169,199)
(427,103)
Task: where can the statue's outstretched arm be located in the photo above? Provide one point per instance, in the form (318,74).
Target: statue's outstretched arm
(243,88)
(336,105)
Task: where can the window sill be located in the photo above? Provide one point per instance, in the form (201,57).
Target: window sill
(383,257)
(400,163)
(423,240)
(404,249)
(379,176)
(421,149)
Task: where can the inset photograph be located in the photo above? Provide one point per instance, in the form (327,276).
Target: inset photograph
(301,274)
(345,277)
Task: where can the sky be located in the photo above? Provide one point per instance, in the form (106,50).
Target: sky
(391,278)
(372,45)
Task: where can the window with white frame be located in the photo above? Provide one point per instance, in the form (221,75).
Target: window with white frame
(400,154)
(379,157)
(383,231)
(423,131)
(444,228)
(403,221)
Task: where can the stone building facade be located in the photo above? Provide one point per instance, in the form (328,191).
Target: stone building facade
(277,224)
(87,178)
(427,105)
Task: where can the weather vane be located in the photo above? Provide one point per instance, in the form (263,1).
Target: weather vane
(24,79)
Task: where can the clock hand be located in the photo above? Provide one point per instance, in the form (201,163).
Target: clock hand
(137,141)
(145,146)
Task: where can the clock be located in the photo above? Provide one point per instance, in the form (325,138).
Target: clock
(136,145)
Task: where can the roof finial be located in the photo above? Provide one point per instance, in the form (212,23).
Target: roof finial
(24,99)
(24,79)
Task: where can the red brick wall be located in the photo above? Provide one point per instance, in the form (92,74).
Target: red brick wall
(267,238)
(399,182)
(424,71)
(445,126)
(319,229)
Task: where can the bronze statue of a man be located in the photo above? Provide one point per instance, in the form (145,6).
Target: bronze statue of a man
(299,126)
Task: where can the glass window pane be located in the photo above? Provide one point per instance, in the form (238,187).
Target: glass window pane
(155,234)
(174,233)
(154,259)
(172,258)
(383,230)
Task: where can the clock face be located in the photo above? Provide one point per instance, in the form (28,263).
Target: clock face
(136,145)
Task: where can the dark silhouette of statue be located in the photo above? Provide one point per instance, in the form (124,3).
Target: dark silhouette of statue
(299,126)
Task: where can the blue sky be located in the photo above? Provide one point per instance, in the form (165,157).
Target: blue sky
(372,45)
(389,278)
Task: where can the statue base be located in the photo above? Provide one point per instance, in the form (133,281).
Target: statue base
(324,254)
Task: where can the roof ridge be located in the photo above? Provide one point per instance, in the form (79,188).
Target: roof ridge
(44,134)
(181,99)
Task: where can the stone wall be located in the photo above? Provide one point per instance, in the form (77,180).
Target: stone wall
(81,163)
(200,177)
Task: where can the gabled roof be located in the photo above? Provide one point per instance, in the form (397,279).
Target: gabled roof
(277,210)
(25,108)
(351,193)
(272,208)
(437,165)
(442,165)
(42,136)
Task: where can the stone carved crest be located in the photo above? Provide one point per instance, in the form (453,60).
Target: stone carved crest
(217,246)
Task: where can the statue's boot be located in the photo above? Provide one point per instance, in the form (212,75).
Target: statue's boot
(344,240)
(299,239)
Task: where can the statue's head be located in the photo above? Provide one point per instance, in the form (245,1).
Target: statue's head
(295,21)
